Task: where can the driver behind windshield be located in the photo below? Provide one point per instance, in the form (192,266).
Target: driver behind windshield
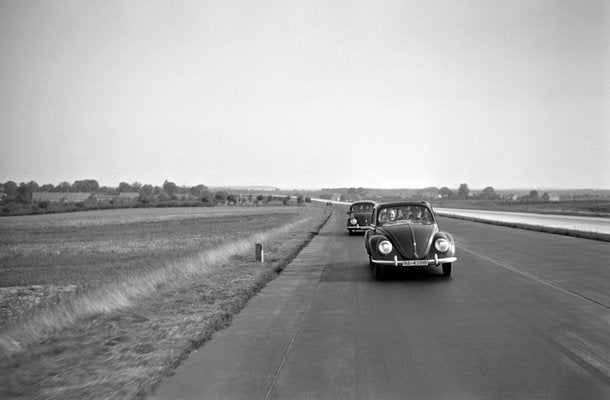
(409,214)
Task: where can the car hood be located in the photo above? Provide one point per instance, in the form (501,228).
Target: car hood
(411,241)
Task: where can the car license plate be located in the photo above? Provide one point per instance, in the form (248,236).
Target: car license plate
(414,263)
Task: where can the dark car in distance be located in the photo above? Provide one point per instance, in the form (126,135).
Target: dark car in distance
(406,235)
(359,216)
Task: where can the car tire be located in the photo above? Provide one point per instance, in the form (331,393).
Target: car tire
(378,272)
(447,269)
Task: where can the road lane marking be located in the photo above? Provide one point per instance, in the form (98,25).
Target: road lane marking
(592,354)
(508,266)
(588,353)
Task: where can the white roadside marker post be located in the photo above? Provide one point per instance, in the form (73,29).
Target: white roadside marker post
(259,252)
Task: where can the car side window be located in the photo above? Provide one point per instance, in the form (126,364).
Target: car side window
(383,218)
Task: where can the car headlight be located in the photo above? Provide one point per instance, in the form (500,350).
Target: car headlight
(442,245)
(385,247)
(353,221)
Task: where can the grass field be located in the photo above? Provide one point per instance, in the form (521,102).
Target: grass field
(78,252)
(121,296)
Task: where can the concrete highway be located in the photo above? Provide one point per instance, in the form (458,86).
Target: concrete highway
(578,223)
(525,315)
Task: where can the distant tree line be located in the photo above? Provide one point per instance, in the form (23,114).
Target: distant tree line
(463,192)
(27,198)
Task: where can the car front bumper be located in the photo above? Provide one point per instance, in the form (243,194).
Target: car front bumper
(415,263)
(357,228)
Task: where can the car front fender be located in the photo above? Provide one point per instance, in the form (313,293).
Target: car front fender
(373,243)
(449,238)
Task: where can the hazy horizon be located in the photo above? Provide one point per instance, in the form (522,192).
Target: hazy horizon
(319,188)
(293,94)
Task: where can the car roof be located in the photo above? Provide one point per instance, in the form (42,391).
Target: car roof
(363,202)
(403,203)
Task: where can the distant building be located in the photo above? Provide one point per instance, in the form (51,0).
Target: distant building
(50,197)
(185,196)
(61,197)
(549,197)
(104,198)
(128,196)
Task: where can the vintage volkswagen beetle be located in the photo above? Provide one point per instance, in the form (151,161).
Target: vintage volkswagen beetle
(359,216)
(406,234)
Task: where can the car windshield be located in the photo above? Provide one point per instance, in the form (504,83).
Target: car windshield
(405,215)
(362,208)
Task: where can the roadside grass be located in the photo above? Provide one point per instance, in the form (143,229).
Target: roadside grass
(51,258)
(122,295)
(118,340)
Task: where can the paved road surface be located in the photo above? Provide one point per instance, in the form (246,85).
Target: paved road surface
(578,223)
(525,315)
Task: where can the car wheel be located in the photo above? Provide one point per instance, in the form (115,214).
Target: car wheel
(350,232)
(378,272)
(447,269)
(371,261)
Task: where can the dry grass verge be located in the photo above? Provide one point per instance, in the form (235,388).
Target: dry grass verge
(120,340)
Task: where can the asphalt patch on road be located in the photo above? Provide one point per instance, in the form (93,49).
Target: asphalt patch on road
(346,272)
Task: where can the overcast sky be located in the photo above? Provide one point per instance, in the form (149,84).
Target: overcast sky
(307,94)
